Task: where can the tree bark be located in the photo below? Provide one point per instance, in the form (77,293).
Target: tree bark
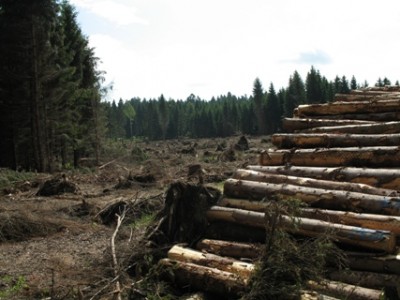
(351,235)
(378,128)
(366,279)
(373,117)
(354,107)
(293,124)
(243,269)
(381,264)
(203,278)
(372,221)
(231,249)
(387,156)
(250,175)
(330,140)
(384,178)
(366,95)
(316,197)
(346,291)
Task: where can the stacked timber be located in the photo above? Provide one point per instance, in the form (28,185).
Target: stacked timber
(341,160)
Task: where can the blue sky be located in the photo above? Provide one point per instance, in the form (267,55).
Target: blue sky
(211,47)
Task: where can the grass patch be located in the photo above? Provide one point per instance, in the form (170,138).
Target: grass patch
(143,222)
(10,178)
(11,286)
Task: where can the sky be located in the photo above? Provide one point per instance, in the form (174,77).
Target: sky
(212,47)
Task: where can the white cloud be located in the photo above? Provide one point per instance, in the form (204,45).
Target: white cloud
(113,11)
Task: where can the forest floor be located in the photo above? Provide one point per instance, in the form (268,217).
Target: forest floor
(58,247)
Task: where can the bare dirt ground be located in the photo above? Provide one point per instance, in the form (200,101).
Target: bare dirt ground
(58,247)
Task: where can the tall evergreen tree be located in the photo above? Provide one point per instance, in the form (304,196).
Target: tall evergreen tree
(314,92)
(258,99)
(295,94)
(273,115)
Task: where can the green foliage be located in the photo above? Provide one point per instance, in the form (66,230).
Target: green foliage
(286,265)
(9,178)
(11,286)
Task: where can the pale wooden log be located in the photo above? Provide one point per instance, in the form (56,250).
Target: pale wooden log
(347,291)
(351,235)
(331,140)
(231,249)
(204,278)
(364,96)
(251,175)
(378,128)
(366,279)
(373,117)
(316,197)
(335,108)
(386,88)
(372,221)
(378,157)
(389,264)
(384,178)
(293,124)
(240,268)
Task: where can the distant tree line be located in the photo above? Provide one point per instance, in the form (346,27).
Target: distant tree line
(50,89)
(257,114)
(51,108)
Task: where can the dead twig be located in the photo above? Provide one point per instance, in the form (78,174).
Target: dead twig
(117,291)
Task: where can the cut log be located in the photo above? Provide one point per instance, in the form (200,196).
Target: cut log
(315,197)
(250,175)
(198,277)
(293,124)
(381,264)
(328,140)
(234,232)
(375,117)
(384,178)
(334,157)
(366,279)
(346,291)
(231,249)
(372,221)
(237,267)
(376,128)
(351,235)
(353,107)
(364,96)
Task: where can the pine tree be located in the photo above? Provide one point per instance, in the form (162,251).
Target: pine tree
(314,93)
(273,111)
(258,100)
(163,115)
(295,94)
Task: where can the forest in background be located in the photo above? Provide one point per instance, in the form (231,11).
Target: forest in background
(51,108)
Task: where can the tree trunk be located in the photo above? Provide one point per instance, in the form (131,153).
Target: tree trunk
(293,124)
(250,175)
(378,157)
(231,249)
(198,277)
(366,279)
(316,197)
(351,235)
(378,128)
(375,117)
(354,107)
(328,140)
(346,291)
(384,178)
(372,221)
(187,255)
(381,264)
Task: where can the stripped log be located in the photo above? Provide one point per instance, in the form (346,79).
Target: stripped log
(376,128)
(333,157)
(315,197)
(375,117)
(205,278)
(250,175)
(328,140)
(364,96)
(351,235)
(366,279)
(381,264)
(231,249)
(346,291)
(353,107)
(240,268)
(372,221)
(384,178)
(293,124)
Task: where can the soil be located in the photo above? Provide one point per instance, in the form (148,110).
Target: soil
(57,246)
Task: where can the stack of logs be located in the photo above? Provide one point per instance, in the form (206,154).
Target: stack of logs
(342,159)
